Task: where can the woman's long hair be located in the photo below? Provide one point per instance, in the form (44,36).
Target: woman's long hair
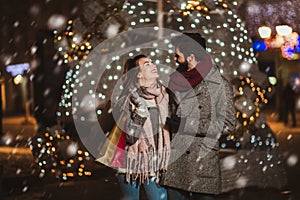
(130,73)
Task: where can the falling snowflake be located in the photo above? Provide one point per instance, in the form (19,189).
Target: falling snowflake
(289,137)
(241,182)
(33,50)
(292,160)
(229,163)
(16,24)
(72,149)
(56,21)
(112,30)
(25,189)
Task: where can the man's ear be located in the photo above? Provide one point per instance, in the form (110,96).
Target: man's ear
(191,58)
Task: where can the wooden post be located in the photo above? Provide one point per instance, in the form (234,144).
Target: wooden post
(160,18)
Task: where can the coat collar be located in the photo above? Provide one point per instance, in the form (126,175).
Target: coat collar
(214,75)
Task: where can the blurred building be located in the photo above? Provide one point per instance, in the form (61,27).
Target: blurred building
(26,37)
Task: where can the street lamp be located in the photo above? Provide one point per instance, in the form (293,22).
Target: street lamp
(264,32)
(288,44)
(18,71)
(283,30)
(285,39)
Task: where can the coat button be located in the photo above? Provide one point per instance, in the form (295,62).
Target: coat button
(199,107)
(187,152)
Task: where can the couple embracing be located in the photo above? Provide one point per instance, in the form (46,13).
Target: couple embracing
(171,133)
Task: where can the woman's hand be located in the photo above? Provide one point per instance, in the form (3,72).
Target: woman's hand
(140,103)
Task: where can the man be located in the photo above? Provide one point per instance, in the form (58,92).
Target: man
(201,103)
(289,104)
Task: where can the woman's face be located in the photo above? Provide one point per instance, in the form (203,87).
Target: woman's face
(148,70)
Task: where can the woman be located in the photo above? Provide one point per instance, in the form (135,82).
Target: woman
(145,102)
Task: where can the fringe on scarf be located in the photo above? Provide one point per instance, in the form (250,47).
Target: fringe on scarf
(140,165)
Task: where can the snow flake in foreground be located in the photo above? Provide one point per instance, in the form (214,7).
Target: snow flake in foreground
(25,189)
(46,92)
(18,171)
(112,30)
(56,21)
(7,139)
(241,182)
(7,59)
(34,10)
(41,175)
(72,149)
(34,64)
(33,49)
(244,67)
(229,163)
(16,24)
(264,169)
(162,196)
(292,160)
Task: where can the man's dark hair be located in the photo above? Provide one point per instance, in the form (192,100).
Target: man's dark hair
(190,43)
(198,38)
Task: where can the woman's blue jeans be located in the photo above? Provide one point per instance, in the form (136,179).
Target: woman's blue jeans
(131,191)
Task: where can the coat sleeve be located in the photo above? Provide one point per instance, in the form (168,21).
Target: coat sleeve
(230,117)
(133,126)
(221,118)
(224,121)
(172,103)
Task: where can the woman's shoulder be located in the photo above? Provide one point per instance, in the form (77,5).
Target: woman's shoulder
(121,103)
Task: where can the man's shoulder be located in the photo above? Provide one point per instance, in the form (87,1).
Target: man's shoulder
(214,76)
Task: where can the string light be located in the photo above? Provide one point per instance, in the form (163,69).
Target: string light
(259,100)
(68,46)
(199,6)
(49,150)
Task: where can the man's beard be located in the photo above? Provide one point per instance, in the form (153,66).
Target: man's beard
(182,67)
